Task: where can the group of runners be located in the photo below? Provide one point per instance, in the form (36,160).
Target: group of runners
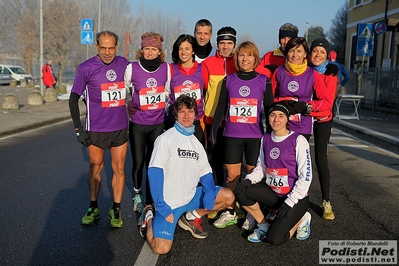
(220,132)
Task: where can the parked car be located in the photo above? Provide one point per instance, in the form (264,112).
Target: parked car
(5,76)
(18,73)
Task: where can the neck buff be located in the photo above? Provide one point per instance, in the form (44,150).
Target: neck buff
(320,68)
(203,51)
(150,65)
(186,131)
(296,69)
(246,75)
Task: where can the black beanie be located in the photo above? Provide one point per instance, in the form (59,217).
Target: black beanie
(278,106)
(323,43)
(287,33)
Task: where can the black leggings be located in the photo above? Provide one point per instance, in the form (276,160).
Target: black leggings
(322,133)
(279,230)
(216,154)
(142,140)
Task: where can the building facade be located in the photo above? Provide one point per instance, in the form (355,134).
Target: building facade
(383,19)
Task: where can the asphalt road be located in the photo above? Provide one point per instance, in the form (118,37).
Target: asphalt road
(43,195)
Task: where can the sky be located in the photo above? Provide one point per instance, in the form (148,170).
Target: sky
(259,19)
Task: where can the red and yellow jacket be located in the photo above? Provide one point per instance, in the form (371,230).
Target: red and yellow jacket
(214,69)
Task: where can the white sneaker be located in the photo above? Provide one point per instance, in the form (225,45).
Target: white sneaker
(259,234)
(249,223)
(225,220)
(138,203)
(303,230)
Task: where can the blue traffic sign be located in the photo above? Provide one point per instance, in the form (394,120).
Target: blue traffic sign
(86,37)
(365,39)
(86,24)
(380,27)
(364,48)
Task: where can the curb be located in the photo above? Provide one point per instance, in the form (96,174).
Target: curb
(377,138)
(33,126)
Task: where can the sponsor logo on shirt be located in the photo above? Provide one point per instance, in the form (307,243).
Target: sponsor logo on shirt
(188,154)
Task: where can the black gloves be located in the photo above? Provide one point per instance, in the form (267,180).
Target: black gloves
(283,210)
(331,69)
(244,184)
(272,68)
(297,107)
(82,136)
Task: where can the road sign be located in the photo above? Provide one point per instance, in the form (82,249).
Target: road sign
(380,27)
(86,37)
(365,39)
(86,24)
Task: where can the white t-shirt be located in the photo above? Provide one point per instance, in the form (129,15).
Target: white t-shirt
(183,160)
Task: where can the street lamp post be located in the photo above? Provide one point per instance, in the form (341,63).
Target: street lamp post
(307,24)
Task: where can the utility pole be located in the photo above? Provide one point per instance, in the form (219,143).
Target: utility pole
(41,45)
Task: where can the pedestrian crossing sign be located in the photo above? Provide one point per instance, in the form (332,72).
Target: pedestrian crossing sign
(365,31)
(365,39)
(86,24)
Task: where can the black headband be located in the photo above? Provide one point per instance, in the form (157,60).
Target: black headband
(226,36)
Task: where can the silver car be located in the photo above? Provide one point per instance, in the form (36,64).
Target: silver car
(5,76)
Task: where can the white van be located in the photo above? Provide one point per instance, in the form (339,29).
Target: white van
(18,73)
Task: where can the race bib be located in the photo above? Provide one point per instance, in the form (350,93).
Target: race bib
(243,110)
(152,98)
(192,90)
(277,180)
(113,94)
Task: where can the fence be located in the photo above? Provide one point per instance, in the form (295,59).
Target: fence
(380,87)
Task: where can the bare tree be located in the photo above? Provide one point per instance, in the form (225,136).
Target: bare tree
(28,41)
(168,25)
(315,33)
(337,32)
(60,34)
(13,28)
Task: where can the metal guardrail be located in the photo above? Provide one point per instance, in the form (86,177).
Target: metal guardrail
(380,87)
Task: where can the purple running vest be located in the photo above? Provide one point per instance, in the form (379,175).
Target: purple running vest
(244,106)
(301,88)
(280,161)
(148,94)
(191,85)
(105,93)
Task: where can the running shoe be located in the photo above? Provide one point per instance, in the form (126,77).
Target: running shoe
(327,211)
(303,230)
(212,215)
(249,223)
(143,226)
(138,203)
(115,218)
(258,235)
(225,220)
(91,216)
(270,216)
(193,226)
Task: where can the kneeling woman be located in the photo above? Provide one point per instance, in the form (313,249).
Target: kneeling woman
(280,180)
